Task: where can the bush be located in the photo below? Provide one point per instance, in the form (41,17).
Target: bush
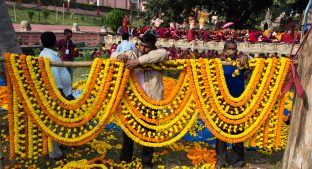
(30,14)
(45,15)
(114,19)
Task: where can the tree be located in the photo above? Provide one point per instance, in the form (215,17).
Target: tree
(173,10)
(8,40)
(239,12)
(30,14)
(298,151)
(114,19)
(46,15)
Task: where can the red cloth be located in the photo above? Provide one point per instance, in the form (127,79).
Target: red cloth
(206,35)
(125,21)
(190,35)
(160,32)
(253,36)
(125,29)
(145,28)
(287,38)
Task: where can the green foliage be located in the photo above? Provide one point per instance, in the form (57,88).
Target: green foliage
(173,10)
(30,14)
(114,19)
(45,15)
(240,12)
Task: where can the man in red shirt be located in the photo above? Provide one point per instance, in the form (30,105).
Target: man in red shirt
(67,49)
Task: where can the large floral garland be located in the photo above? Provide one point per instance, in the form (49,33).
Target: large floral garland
(38,113)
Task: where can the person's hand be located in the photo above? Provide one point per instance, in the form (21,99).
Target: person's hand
(122,57)
(229,53)
(243,60)
(130,64)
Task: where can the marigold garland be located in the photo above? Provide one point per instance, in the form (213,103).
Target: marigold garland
(38,113)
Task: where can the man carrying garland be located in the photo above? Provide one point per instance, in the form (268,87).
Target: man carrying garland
(61,77)
(151,81)
(236,87)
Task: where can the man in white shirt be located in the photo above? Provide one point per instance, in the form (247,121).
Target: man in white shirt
(61,76)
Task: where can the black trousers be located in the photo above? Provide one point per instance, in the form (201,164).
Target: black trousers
(127,152)
(231,158)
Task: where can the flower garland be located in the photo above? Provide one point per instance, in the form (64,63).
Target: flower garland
(74,140)
(38,113)
(3,97)
(11,113)
(93,108)
(214,124)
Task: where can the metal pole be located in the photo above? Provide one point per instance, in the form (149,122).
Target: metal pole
(63,13)
(14,12)
(89,63)
(56,16)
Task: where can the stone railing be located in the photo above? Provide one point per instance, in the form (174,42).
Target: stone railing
(245,47)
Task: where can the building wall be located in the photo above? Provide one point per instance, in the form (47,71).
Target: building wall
(33,38)
(122,4)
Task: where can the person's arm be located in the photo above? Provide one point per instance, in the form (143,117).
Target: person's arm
(118,48)
(155,56)
(133,47)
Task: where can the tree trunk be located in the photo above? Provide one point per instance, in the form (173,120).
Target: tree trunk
(298,153)
(8,41)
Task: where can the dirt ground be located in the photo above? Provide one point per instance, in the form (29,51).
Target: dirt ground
(164,157)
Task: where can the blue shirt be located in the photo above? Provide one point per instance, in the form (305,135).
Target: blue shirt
(124,46)
(2,82)
(236,84)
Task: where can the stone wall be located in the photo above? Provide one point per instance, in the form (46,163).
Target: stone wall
(33,37)
(245,47)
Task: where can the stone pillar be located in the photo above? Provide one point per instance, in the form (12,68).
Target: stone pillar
(25,26)
(75,27)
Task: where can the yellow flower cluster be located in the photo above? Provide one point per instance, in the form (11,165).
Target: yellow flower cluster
(38,113)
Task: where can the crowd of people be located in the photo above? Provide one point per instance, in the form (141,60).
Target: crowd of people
(252,36)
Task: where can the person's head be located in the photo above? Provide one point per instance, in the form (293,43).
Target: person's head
(68,33)
(230,45)
(148,42)
(125,36)
(48,40)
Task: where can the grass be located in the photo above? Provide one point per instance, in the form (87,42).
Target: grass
(53,17)
(57,19)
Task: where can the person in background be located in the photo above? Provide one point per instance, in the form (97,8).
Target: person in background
(96,54)
(236,86)
(61,77)
(151,82)
(67,49)
(125,44)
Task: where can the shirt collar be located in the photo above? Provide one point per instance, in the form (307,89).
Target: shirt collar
(50,50)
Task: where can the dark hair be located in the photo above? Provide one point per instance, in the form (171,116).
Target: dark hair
(229,42)
(149,39)
(48,39)
(67,31)
(125,36)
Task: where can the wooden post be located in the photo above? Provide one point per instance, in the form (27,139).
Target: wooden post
(298,153)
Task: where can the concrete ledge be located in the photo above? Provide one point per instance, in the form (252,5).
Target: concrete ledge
(280,48)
